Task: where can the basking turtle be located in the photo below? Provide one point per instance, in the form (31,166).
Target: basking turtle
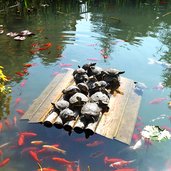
(79,71)
(90,82)
(69,91)
(80,78)
(77,100)
(60,105)
(83,88)
(101,99)
(87,66)
(90,112)
(112,72)
(67,115)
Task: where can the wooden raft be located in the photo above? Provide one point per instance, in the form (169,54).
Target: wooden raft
(118,123)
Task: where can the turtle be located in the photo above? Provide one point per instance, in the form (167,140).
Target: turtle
(67,115)
(83,88)
(69,91)
(90,112)
(60,105)
(79,71)
(79,78)
(90,82)
(87,66)
(77,100)
(101,99)
(95,70)
(112,72)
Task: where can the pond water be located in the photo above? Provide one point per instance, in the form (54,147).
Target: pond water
(130,35)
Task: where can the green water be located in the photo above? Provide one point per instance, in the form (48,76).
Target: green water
(129,33)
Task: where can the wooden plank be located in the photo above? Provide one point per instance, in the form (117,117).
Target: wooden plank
(127,126)
(110,121)
(37,103)
(53,96)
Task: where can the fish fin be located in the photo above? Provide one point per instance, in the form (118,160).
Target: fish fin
(40,167)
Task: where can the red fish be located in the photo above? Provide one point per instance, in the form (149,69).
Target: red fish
(17,100)
(94,144)
(28,65)
(65,65)
(46,169)
(1,127)
(69,168)
(23,83)
(4,162)
(136,137)
(157,100)
(28,149)
(29,134)
(121,163)
(15,120)
(63,161)
(111,160)
(127,169)
(34,156)
(21,140)
(45,46)
(20,112)
(1,153)
(92,59)
(20,74)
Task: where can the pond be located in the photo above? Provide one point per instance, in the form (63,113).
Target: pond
(134,37)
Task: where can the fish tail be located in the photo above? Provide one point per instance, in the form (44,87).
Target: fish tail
(40,167)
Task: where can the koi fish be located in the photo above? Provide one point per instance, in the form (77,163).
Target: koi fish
(1,153)
(63,161)
(29,134)
(19,74)
(65,65)
(34,156)
(111,160)
(135,137)
(121,163)
(28,65)
(53,148)
(17,101)
(138,144)
(36,142)
(69,168)
(23,83)
(4,162)
(94,144)
(1,127)
(159,86)
(20,112)
(4,145)
(92,59)
(45,46)
(157,100)
(15,120)
(127,169)
(47,169)
(21,140)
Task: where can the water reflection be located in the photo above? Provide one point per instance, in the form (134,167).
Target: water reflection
(113,35)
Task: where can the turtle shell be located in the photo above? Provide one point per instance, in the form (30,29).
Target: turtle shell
(112,71)
(67,114)
(79,71)
(78,99)
(100,98)
(83,88)
(71,90)
(60,105)
(90,112)
(78,78)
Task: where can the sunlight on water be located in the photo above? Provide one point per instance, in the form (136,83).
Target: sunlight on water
(126,38)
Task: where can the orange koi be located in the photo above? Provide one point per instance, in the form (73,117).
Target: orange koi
(17,101)
(1,126)
(34,156)
(7,123)
(36,142)
(20,74)
(25,71)
(21,140)
(63,161)
(127,169)
(53,148)
(46,169)
(69,168)
(29,134)
(28,65)
(45,46)
(15,120)
(94,144)
(157,100)
(111,160)
(20,112)
(121,163)
(65,65)
(4,162)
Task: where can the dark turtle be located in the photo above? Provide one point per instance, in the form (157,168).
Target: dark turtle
(77,100)
(101,99)
(83,88)
(87,66)
(90,112)
(67,115)
(91,81)
(69,91)
(94,70)
(79,71)
(80,78)
(60,105)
